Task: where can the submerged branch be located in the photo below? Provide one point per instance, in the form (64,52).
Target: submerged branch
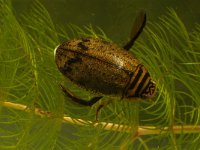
(142,130)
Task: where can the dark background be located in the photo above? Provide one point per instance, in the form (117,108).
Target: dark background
(115,17)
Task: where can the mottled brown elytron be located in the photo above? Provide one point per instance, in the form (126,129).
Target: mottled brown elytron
(104,67)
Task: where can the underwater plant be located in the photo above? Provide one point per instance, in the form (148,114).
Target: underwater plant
(34,113)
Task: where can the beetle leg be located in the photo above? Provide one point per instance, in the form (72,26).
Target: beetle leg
(78,100)
(138,26)
(105,103)
(98,110)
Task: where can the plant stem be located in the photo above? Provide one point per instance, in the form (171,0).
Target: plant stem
(142,130)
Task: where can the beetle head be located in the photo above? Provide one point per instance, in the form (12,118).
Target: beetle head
(150,91)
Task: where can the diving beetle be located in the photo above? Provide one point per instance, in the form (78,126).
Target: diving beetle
(105,68)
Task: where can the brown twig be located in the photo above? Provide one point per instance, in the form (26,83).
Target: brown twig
(142,130)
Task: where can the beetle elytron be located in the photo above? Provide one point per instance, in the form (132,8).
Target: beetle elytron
(104,67)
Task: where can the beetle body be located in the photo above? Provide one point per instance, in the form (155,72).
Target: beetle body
(103,67)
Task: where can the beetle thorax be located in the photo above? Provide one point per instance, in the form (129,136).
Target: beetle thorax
(141,84)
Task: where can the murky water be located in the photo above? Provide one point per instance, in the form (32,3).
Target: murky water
(115,17)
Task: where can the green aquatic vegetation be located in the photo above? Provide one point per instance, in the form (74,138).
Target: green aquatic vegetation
(34,113)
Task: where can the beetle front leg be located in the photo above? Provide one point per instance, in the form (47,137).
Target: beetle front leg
(78,100)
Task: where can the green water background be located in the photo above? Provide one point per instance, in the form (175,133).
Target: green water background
(115,17)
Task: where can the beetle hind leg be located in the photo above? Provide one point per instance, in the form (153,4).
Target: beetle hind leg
(137,28)
(78,100)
